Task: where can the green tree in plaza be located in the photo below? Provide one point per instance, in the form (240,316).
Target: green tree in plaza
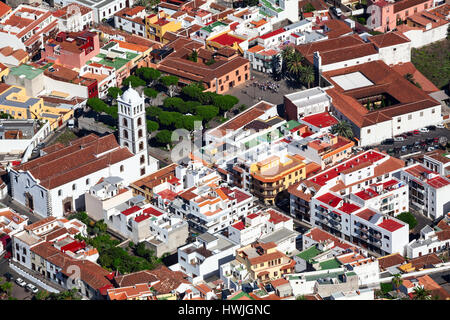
(193,91)
(174,103)
(151,93)
(276,66)
(153,112)
(225,103)
(134,81)
(152,126)
(207,112)
(114,92)
(171,83)
(342,128)
(307,75)
(164,137)
(150,75)
(294,65)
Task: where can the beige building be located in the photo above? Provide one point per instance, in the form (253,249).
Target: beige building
(264,262)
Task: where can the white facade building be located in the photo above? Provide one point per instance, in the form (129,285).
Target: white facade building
(428,190)
(102,9)
(55,184)
(203,258)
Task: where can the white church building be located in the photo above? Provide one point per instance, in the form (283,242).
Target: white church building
(55,183)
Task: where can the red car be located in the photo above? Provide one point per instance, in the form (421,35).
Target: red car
(416,132)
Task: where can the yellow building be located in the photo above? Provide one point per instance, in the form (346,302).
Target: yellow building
(15,102)
(157,25)
(264,262)
(272,176)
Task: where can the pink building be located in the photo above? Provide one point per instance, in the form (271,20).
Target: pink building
(72,49)
(384,15)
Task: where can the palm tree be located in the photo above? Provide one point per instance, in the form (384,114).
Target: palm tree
(342,128)
(397,281)
(295,65)
(286,56)
(308,75)
(421,293)
(276,64)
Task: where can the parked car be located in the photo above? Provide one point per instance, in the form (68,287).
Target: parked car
(436,140)
(440,126)
(388,141)
(430,149)
(20,282)
(424,130)
(431,128)
(32,288)
(410,133)
(403,148)
(399,138)
(9,276)
(416,132)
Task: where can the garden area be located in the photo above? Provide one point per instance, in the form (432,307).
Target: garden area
(178,108)
(408,218)
(133,258)
(433,61)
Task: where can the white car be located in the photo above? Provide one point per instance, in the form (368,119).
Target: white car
(424,130)
(440,126)
(430,149)
(399,139)
(20,282)
(32,288)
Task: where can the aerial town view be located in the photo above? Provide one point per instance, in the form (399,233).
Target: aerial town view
(224,150)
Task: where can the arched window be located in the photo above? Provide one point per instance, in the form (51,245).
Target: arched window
(141,146)
(125,122)
(125,134)
(126,144)
(142,159)
(74,187)
(87,181)
(121,168)
(139,122)
(140,133)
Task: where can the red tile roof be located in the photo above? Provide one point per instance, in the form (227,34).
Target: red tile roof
(330,199)
(131,210)
(239,226)
(390,225)
(321,120)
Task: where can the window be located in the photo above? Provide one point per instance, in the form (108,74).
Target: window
(74,187)
(139,122)
(141,146)
(121,168)
(87,181)
(125,122)
(59,192)
(368,131)
(142,159)
(125,134)
(140,133)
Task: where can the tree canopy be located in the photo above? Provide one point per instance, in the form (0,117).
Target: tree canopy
(114,92)
(148,74)
(207,112)
(164,137)
(134,81)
